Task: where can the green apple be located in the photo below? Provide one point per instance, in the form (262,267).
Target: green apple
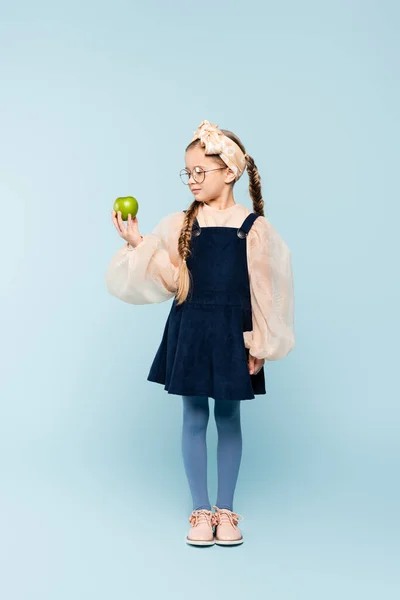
(126,204)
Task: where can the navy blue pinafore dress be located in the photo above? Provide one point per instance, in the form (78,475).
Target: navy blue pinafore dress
(202,351)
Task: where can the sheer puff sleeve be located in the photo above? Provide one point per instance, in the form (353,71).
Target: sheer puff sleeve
(149,272)
(272,293)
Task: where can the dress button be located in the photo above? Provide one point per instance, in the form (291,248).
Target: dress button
(241,233)
(196,232)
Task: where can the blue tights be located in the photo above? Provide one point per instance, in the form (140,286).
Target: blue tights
(194,450)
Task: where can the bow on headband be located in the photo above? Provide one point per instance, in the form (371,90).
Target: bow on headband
(215,142)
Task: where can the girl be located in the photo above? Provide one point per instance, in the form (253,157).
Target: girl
(230,275)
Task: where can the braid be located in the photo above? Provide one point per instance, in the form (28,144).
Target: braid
(184,251)
(255,186)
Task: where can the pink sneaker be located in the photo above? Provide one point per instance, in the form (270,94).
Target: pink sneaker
(227,533)
(201,532)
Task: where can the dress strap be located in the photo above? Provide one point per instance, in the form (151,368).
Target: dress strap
(247,225)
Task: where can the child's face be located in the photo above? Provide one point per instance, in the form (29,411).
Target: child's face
(214,181)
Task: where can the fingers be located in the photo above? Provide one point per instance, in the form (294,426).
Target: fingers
(117,220)
(132,224)
(255,364)
(119,224)
(251,364)
(259,362)
(128,232)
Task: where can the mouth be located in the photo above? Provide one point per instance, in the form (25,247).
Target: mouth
(196,190)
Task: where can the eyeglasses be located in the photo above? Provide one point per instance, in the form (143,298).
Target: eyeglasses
(198,174)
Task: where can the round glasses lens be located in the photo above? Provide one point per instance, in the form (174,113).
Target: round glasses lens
(184,175)
(198,175)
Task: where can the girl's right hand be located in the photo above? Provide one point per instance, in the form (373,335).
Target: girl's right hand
(130,233)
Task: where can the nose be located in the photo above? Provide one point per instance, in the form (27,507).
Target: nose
(191,177)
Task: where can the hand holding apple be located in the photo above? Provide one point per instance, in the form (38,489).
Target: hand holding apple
(125,209)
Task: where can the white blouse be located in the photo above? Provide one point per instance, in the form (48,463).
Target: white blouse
(149,274)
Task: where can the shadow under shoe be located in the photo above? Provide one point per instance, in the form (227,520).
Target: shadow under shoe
(201,532)
(227,533)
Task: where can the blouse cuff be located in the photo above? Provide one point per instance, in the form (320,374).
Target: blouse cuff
(277,350)
(128,278)
(129,247)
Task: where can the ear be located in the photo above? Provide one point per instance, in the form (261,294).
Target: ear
(230,176)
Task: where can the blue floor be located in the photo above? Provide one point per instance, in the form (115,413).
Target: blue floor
(89,534)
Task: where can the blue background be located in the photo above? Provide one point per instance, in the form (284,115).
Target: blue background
(99,99)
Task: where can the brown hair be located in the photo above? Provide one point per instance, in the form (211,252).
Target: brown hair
(191,213)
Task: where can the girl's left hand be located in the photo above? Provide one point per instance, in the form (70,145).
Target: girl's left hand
(255,364)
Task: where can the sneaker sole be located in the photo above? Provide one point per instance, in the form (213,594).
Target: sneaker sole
(229,542)
(200,542)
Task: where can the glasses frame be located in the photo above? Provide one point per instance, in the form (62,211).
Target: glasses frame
(190,173)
